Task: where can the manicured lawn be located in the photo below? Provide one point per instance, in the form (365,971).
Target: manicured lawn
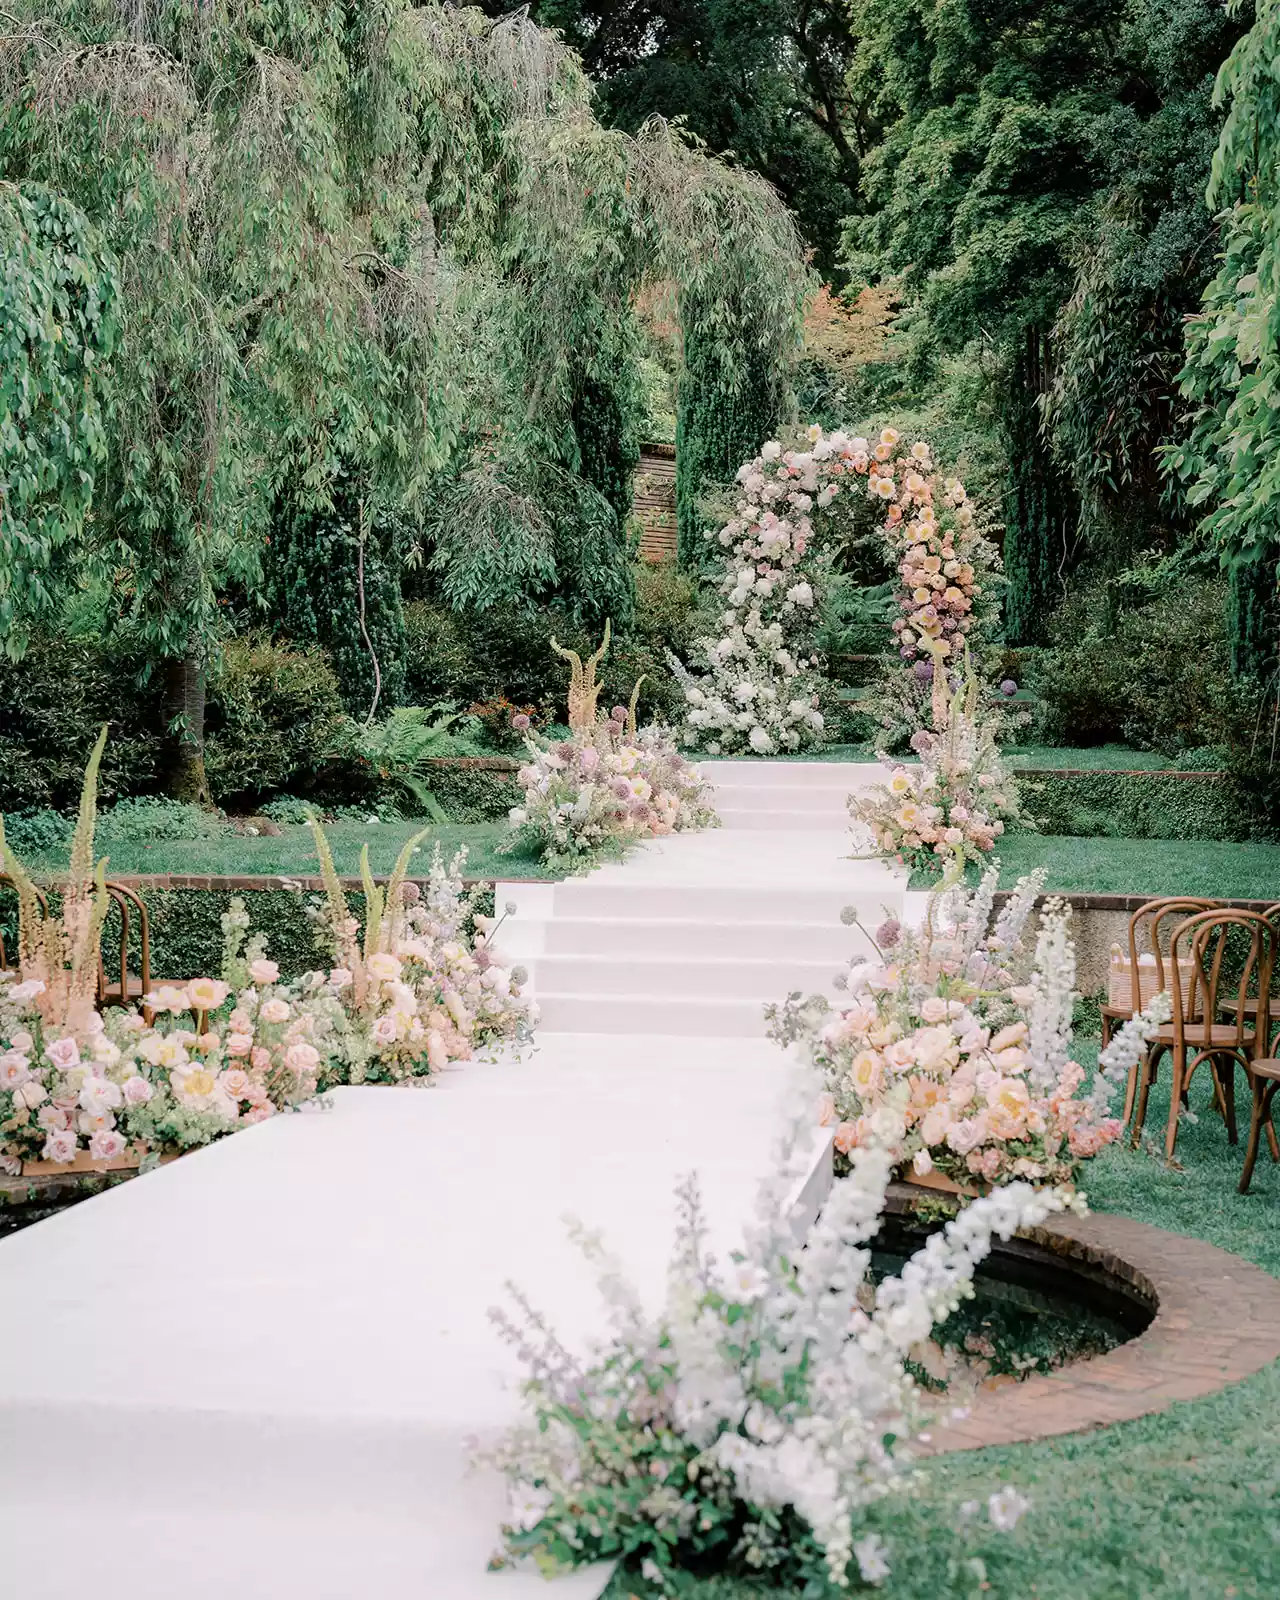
(1141,866)
(1180,1506)
(1097,758)
(293,852)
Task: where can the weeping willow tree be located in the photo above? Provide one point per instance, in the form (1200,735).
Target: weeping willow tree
(274,291)
(375,267)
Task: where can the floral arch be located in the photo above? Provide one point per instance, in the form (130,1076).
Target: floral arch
(759,685)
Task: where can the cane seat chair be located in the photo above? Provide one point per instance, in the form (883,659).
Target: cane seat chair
(1150,930)
(118,986)
(1204,985)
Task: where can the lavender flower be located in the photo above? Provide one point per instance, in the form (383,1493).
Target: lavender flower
(889,934)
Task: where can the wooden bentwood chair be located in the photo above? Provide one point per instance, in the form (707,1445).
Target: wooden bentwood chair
(1201,993)
(1150,930)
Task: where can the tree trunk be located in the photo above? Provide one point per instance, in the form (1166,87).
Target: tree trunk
(184,691)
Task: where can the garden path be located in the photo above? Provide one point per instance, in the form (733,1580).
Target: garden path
(258,1371)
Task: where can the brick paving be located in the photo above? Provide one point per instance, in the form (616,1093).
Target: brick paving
(1217,1320)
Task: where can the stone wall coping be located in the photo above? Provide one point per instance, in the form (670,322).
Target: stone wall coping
(1129,903)
(1217,1321)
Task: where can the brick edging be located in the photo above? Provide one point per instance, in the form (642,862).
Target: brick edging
(1217,1321)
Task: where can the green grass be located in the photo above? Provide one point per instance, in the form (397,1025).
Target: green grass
(293,853)
(1184,1505)
(1097,758)
(1140,866)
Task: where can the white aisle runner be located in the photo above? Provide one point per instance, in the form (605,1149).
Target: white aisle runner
(257,1372)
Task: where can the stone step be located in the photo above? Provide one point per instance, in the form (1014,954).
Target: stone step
(717,902)
(781,797)
(824,820)
(846,775)
(637,936)
(676,978)
(657,1014)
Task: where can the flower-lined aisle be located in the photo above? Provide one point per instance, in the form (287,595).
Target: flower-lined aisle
(89,1089)
(968,1031)
(760,685)
(607,786)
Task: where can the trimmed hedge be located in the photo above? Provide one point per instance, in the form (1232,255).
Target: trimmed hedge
(1140,805)
(186,928)
(475,788)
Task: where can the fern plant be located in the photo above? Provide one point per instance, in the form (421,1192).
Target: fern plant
(60,951)
(400,750)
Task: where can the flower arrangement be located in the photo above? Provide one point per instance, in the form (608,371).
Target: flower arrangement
(748,1427)
(761,688)
(957,803)
(82,1089)
(120,1089)
(605,786)
(414,991)
(982,1061)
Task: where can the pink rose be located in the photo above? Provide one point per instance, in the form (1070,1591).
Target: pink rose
(259,1113)
(31,1094)
(14,1069)
(239,1044)
(60,1146)
(263,971)
(260,1059)
(339,978)
(65,1054)
(137,1091)
(274,1011)
(234,1083)
(106,1145)
(52,1118)
(240,1021)
(22,1040)
(301,1057)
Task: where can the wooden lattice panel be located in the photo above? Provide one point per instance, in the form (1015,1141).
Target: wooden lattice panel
(655,502)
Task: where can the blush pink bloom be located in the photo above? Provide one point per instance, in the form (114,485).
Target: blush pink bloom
(239,1044)
(260,1059)
(65,1054)
(234,1083)
(31,1093)
(263,971)
(52,1118)
(22,1041)
(60,1146)
(259,1113)
(137,1091)
(275,1011)
(107,1145)
(302,1058)
(14,1069)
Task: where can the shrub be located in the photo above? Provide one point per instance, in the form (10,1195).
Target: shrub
(275,717)
(37,833)
(150,818)
(1155,673)
(52,705)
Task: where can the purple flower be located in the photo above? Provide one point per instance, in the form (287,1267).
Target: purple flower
(921,741)
(619,714)
(520,721)
(924,671)
(889,934)
(621,788)
(410,893)
(1008,687)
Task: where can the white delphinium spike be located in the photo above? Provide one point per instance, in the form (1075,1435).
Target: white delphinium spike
(1127,1048)
(1053,986)
(1012,921)
(973,917)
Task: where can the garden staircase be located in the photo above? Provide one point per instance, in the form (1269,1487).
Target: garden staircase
(694,933)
